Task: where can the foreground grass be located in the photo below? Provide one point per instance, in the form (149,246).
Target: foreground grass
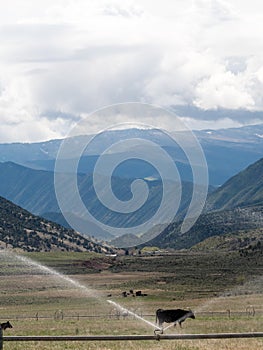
(114,326)
(44,304)
(244,344)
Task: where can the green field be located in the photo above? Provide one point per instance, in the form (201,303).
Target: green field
(224,290)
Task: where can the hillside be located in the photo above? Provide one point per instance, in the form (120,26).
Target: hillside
(31,189)
(244,189)
(22,230)
(34,190)
(246,242)
(209,225)
(234,207)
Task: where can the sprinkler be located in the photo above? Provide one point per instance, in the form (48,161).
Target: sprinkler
(157,332)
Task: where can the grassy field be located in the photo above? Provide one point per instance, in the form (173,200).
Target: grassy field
(223,289)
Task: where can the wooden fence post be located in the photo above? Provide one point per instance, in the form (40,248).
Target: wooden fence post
(1,338)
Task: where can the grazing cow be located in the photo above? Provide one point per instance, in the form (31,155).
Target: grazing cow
(175,315)
(5,325)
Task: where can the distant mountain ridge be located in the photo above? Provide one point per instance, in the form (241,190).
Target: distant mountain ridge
(237,147)
(34,190)
(234,206)
(31,189)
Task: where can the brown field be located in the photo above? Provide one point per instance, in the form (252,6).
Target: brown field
(46,304)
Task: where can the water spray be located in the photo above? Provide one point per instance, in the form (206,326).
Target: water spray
(49,271)
(123,309)
(52,272)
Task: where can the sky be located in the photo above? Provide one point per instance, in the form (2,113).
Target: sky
(60,60)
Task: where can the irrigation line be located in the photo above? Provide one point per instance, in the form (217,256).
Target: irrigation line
(65,315)
(135,337)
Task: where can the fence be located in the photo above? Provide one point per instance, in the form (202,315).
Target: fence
(114,313)
(131,337)
(60,315)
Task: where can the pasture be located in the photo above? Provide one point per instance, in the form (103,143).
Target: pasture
(224,291)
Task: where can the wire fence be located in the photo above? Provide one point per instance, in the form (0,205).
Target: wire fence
(60,315)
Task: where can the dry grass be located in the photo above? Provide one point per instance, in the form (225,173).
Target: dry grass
(24,296)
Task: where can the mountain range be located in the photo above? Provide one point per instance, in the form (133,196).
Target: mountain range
(235,206)
(34,190)
(222,149)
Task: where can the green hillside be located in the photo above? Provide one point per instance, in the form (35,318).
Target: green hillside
(22,230)
(244,189)
(246,242)
(209,225)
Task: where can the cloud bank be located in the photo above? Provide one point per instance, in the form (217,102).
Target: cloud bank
(61,60)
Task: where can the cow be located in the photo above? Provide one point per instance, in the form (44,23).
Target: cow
(173,315)
(5,325)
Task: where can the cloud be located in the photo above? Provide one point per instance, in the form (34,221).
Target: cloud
(80,86)
(223,89)
(35,130)
(60,60)
(117,9)
(194,124)
(20,119)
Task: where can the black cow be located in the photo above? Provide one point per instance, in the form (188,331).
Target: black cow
(5,325)
(174,315)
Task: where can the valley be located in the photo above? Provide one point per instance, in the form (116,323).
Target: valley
(131,175)
(222,289)
(56,281)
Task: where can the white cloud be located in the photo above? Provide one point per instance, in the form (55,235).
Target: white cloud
(194,124)
(77,56)
(34,130)
(223,89)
